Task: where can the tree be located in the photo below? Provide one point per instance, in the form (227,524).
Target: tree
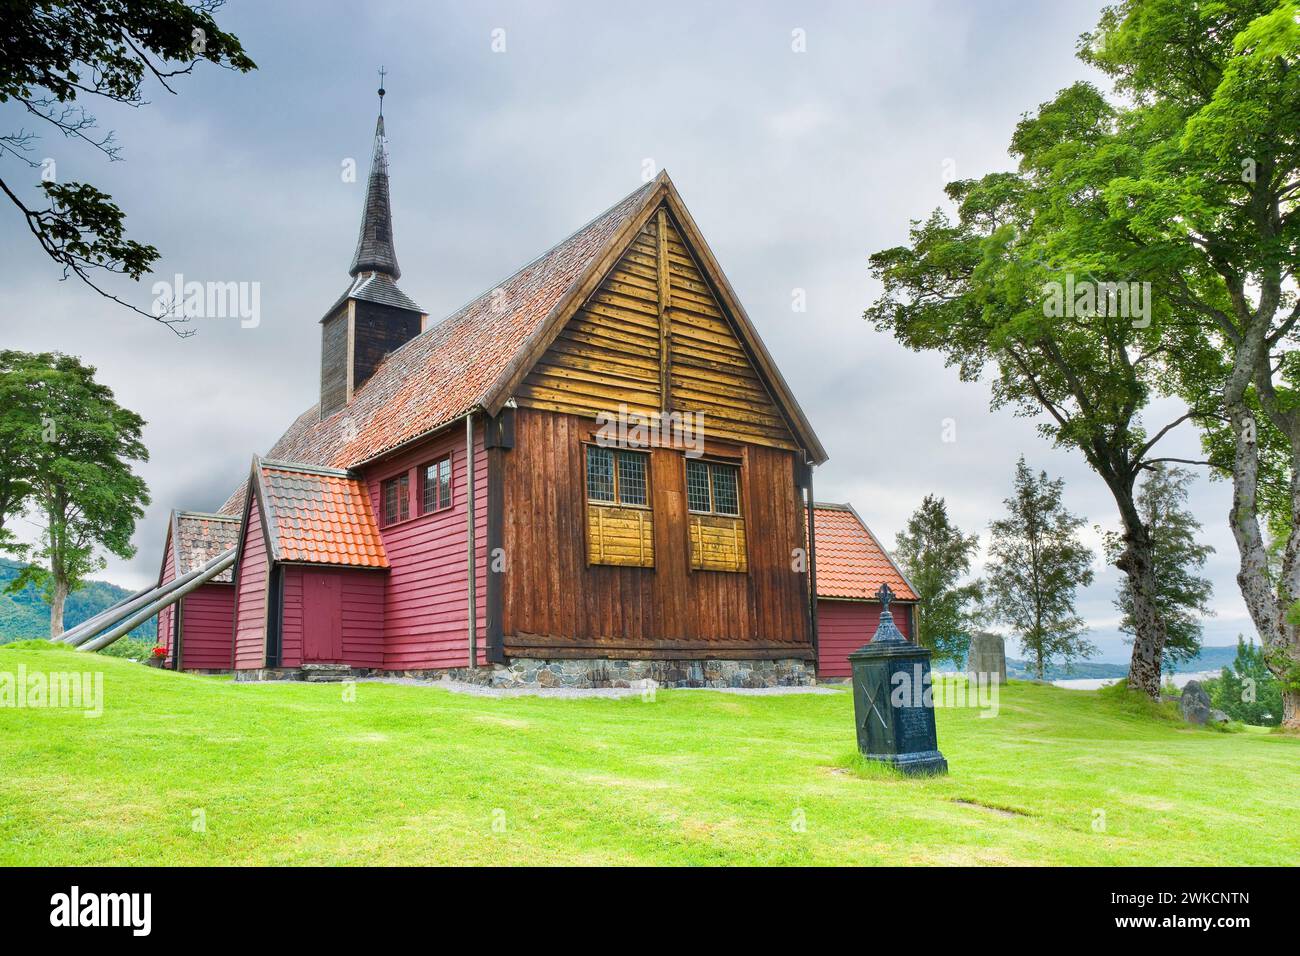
(935,555)
(1207,194)
(1182,596)
(18,431)
(80,444)
(1247,691)
(1036,564)
(1032,282)
(57,54)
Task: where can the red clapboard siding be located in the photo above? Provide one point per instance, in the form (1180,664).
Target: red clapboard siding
(167,616)
(425,610)
(844,626)
(207,617)
(250,596)
(362,613)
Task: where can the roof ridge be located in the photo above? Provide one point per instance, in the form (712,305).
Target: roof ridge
(279,465)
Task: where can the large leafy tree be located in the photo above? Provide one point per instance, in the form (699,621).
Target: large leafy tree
(1182,595)
(1210,123)
(1037,562)
(78,445)
(987,292)
(54,58)
(936,555)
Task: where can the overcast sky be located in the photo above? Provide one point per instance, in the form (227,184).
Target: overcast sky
(796,166)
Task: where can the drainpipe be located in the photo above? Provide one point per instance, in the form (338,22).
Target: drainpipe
(469,542)
(812,574)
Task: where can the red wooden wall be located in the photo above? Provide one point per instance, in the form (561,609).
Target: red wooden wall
(167,616)
(844,626)
(250,597)
(359,616)
(207,616)
(425,613)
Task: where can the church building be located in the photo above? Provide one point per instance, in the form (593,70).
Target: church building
(592,473)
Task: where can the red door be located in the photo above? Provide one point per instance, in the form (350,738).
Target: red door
(322,618)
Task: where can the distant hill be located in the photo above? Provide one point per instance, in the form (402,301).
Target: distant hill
(25,615)
(1210,659)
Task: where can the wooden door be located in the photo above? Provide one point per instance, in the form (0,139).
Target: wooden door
(322,617)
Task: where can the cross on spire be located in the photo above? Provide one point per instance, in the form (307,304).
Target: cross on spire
(382,74)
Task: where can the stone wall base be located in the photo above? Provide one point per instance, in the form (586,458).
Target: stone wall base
(525,672)
(531,673)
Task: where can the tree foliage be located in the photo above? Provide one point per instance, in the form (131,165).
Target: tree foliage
(75,449)
(1036,564)
(58,55)
(935,555)
(1248,691)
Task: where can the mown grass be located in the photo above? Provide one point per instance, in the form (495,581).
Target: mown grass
(294,774)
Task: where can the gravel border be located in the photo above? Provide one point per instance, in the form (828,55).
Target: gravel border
(570,693)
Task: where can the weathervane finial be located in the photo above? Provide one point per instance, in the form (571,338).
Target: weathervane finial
(382,74)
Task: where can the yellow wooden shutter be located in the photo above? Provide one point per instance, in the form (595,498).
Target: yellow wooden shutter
(623,536)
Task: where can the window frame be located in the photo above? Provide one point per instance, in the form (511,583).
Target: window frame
(614,452)
(403,497)
(422,481)
(710,464)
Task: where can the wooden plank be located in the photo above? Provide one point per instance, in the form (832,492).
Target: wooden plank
(665,320)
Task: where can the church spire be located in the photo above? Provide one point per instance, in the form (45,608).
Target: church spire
(375,251)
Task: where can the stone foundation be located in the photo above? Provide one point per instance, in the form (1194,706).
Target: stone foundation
(527,672)
(531,673)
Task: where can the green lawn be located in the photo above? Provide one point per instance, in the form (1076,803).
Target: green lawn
(293,774)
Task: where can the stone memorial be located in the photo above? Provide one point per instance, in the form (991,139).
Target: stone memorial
(1195,703)
(893,703)
(988,657)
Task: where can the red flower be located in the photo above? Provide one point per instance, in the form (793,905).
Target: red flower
(159,650)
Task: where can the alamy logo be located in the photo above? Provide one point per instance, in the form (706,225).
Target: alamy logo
(103,909)
(180,300)
(23,690)
(1088,298)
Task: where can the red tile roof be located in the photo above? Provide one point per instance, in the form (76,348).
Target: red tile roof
(448,369)
(318,515)
(850,561)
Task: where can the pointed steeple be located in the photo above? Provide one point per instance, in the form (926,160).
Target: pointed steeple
(375,251)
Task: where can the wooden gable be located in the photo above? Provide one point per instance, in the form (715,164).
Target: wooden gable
(654,336)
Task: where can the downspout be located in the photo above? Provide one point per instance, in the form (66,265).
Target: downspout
(812,574)
(470,557)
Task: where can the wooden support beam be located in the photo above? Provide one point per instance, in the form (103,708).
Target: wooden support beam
(665,320)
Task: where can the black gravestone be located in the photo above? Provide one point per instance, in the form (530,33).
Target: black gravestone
(892,701)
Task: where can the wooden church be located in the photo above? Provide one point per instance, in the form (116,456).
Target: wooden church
(466,497)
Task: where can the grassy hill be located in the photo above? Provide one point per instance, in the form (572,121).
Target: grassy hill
(294,773)
(25,615)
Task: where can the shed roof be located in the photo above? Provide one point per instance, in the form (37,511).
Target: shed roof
(318,515)
(851,563)
(199,537)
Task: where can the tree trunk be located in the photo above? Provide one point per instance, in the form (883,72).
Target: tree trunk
(58,597)
(1149,633)
(1137,563)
